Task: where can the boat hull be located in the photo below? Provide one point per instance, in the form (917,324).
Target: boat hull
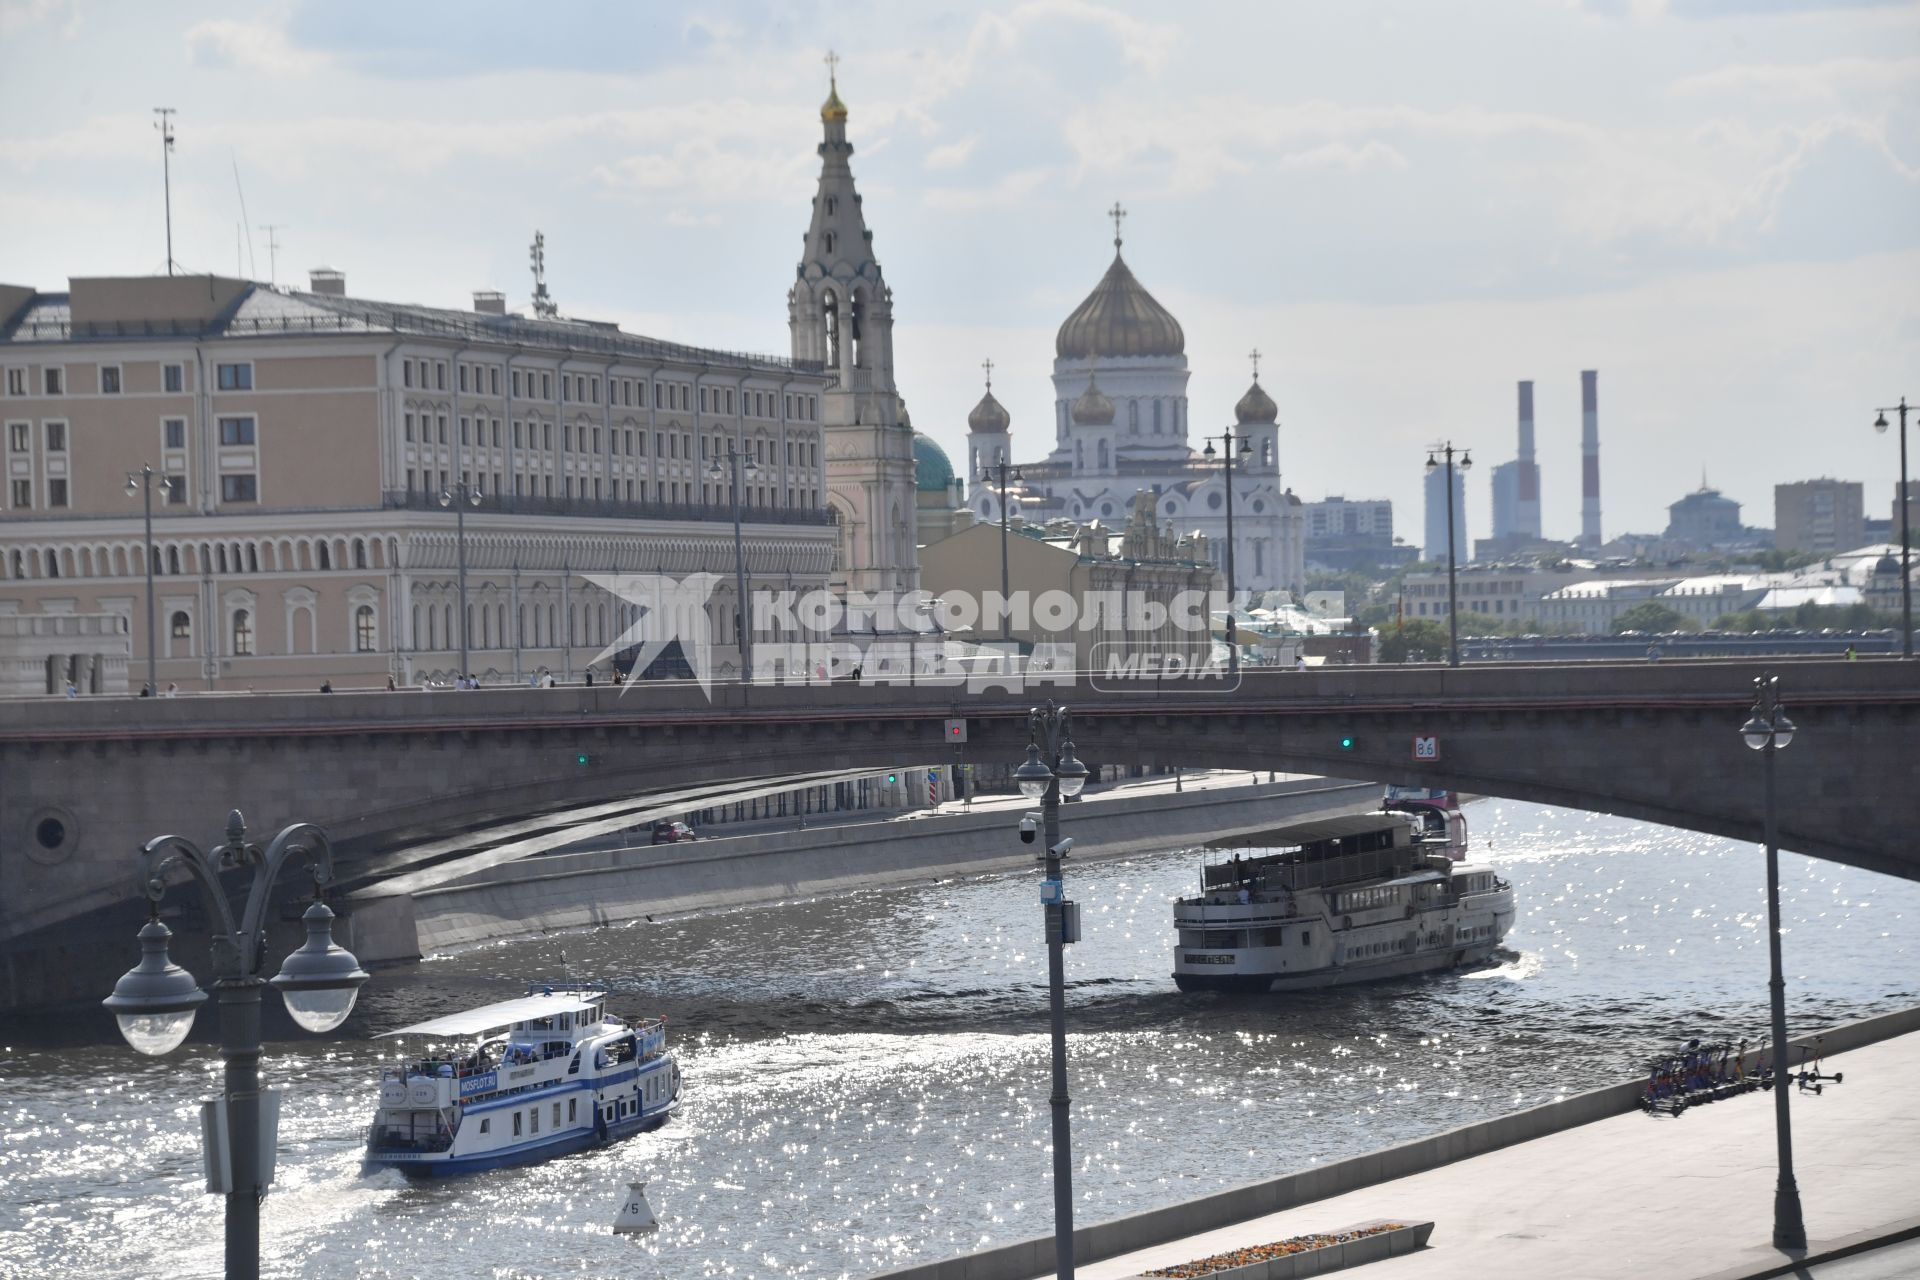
(425,1166)
(1338,976)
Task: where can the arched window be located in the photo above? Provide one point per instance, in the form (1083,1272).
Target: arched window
(1133,417)
(242,633)
(359,554)
(325,557)
(1103,455)
(253,558)
(220,556)
(1266,453)
(830,315)
(53,563)
(364,637)
(1156,417)
(173,560)
(19,565)
(180,625)
(859,324)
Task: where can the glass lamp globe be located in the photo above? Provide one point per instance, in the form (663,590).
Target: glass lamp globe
(1754,732)
(1072,774)
(320,981)
(473,497)
(1880,424)
(446,497)
(1466,462)
(1033,776)
(155,1001)
(1782,729)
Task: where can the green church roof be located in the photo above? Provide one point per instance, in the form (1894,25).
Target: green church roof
(932,469)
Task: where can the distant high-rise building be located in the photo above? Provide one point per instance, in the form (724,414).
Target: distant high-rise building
(1505,483)
(1436,494)
(1589,457)
(1345,533)
(1819,516)
(1704,518)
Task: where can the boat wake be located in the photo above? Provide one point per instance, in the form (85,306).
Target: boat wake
(1514,966)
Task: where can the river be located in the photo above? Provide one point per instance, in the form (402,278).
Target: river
(866,1076)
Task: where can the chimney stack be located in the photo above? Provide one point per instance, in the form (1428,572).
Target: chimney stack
(1590,458)
(490,302)
(327,281)
(1527,483)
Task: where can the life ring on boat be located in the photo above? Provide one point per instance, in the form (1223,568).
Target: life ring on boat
(393,1094)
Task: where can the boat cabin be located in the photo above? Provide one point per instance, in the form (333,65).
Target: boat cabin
(1312,855)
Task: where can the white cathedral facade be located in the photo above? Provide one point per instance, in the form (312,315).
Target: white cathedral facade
(1120,428)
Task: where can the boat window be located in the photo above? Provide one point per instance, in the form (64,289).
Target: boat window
(486,1126)
(516,1124)
(572,1103)
(1306,937)
(533,1119)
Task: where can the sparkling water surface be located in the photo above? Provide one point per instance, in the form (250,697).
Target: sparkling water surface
(867,1076)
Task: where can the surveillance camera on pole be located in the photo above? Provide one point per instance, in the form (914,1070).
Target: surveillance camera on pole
(1029,827)
(1062,849)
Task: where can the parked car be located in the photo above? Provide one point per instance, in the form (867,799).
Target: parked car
(672,832)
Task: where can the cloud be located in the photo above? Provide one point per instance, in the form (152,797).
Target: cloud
(249,46)
(953,154)
(1833,78)
(22,15)
(1011,189)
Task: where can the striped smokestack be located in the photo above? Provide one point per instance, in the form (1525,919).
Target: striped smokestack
(1590,458)
(1527,482)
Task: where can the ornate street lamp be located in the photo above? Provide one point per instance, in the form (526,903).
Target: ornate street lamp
(738,466)
(1768,730)
(1227,457)
(1906,533)
(1453,603)
(988,473)
(461,496)
(1051,772)
(142,482)
(155,1002)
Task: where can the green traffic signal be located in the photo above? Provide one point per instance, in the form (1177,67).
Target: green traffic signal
(1348,742)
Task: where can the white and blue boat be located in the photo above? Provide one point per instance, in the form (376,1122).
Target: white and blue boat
(550,1073)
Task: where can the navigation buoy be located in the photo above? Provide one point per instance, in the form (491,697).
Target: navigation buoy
(636,1215)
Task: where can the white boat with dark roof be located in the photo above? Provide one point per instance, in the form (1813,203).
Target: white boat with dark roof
(1338,900)
(543,1075)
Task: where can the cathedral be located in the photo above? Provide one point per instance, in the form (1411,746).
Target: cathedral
(840,312)
(1120,429)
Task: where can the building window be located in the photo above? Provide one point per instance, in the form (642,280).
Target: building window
(17,436)
(407,426)
(54,380)
(363,632)
(463,377)
(236,431)
(180,626)
(57,493)
(173,433)
(546,386)
(22,496)
(56,437)
(240,488)
(176,492)
(234,377)
(242,633)
(173,377)
(493,380)
(440,375)
(406,372)
(441,420)
(16,382)
(109,379)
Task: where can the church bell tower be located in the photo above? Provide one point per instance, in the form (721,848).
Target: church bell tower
(840,314)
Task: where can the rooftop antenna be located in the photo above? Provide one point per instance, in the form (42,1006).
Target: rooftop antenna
(537,255)
(273,250)
(253,265)
(165,126)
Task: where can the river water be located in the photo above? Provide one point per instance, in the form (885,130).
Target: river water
(866,1076)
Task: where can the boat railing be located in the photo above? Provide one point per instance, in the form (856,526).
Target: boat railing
(384,1139)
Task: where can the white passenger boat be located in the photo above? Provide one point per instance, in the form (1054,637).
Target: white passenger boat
(544,1075)
(1340,900)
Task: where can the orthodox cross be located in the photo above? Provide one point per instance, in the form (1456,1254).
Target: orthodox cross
(1254,355)
(833,65)
(1116,213)
(987,364)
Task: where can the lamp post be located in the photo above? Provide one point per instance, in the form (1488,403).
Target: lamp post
(1906,533)
(1051,772)
(737,465)
(461,496)
(142,482)
(156,1000)
(997,474)
(1768,730)
(1434,456)
(1226,439)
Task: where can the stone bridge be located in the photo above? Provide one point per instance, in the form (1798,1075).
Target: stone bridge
(83,783)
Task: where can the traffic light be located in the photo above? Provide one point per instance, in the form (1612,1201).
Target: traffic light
(1348,742)
(893,777)
(583,759)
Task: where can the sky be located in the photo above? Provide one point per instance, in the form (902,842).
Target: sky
(1406,206)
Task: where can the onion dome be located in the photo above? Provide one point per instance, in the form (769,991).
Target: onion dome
(1093,409)
(989,416)
(1256,407)
(833,109)
(1118,319)
(932,469)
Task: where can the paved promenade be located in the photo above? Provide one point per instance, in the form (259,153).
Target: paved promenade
(1631,1196)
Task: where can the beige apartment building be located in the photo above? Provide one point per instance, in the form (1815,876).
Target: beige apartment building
(1822,517)
(1083,584)
(300,446)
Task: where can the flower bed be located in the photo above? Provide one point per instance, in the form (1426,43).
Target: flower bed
(1314,1254)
